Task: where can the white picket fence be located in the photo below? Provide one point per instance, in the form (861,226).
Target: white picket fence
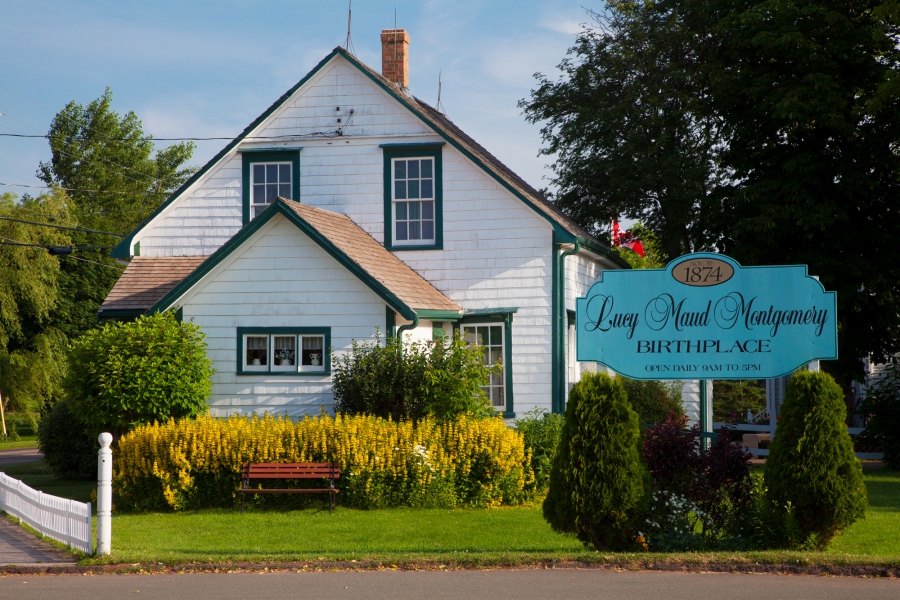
(61,519)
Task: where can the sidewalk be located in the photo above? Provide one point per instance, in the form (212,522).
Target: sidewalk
(17,546)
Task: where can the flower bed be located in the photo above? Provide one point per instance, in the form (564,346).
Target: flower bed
(195,463)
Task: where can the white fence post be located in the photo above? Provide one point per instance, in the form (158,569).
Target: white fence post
(104,494)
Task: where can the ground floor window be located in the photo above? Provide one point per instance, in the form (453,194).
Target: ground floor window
(284,350)
(490,336)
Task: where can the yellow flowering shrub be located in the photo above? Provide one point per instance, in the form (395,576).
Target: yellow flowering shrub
(196,463)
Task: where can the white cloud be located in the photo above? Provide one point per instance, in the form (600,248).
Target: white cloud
(562,26)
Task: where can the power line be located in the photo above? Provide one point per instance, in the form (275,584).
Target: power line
(94,263)
(81,229)
(26,97)
(67,189)
(180,139)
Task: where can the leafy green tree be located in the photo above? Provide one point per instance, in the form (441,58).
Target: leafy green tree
(732,400)
(126,374)
(116,178)
(598,480)
(654,401)
(629,131)
(768,130)
(811,466)
(31,349)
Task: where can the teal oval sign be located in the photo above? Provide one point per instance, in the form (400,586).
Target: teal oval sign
(706,317)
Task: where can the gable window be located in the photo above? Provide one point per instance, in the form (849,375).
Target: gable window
(284,350)
(267,182)
(268,174)
(489,337)
(413,196)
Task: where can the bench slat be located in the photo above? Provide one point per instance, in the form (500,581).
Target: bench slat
(288,491)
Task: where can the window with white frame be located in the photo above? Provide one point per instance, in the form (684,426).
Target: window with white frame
(413,201)
(490,338)
(267,182)
(283,352)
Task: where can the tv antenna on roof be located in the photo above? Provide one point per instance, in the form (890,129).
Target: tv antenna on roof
(439,107)
(348,43)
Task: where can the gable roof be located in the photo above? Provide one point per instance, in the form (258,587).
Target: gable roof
(402,289)
(146,281)
(566,229)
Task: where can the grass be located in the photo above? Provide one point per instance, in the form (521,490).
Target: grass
(25,441)
(505,536)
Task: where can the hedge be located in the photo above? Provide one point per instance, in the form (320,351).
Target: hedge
(190,464)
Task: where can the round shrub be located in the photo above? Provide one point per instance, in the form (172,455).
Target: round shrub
(811,465)
(196,463)
(408,380)
(126,374)
(598,481)
(70,452)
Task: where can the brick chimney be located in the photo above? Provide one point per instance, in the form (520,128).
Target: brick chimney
(395,56)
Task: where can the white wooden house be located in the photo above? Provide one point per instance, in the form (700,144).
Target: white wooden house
(348,206)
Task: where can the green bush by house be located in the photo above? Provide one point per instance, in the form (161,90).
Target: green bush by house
(127,374)
(397,380)
(541,432)
(598,481)
(196,463)
(811,471)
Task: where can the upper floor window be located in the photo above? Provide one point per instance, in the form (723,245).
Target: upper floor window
(413,197)
(269,181)
(413,201)
(268,174)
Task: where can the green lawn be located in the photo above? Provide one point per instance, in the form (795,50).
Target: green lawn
(25,441)
(506,536)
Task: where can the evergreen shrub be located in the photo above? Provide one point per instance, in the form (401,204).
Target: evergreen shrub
(127,374)
(598,481)
(811,466)
(541,432)
(190,464)
(70,452)
(881,408)
(399,380)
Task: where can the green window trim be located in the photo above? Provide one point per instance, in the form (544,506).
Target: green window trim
(269,331)
(414,150)
(506,320)
(251,156)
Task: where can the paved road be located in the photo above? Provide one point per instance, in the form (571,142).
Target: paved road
(22,455)
(496,585)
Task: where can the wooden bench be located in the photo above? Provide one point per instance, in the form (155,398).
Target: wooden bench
(254,471)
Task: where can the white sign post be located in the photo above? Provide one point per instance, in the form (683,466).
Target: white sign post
(104,494)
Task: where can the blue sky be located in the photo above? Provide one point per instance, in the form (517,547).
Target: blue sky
(201,68)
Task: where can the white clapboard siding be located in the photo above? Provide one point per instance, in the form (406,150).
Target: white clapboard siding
(61,519)
(208,214)
(278,278)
